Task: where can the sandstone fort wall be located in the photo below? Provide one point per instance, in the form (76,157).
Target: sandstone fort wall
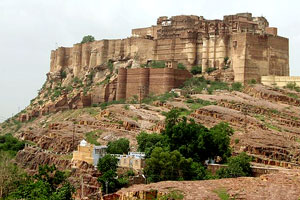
(280,81)
(252,47)
(147,81)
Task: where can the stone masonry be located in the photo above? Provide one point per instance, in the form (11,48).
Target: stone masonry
(252,48)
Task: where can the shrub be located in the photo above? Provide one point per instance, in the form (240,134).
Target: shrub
(76,80)
(196,70)
(10,144)
(237,166)
(110,66)
(237,86)
(210,69)
(126,107)
(157,64)
(293,86)
(63,74)
(252,81)
(40,102)
(87,38)
(190,101)
(181,66)
(236,141)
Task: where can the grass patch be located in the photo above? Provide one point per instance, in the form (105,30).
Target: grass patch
(162,98)
(66,157)
(176,195)
(222,194)
(105,104)
(91,137)
(273,127)
(293,95)
(260,117)
(198,103)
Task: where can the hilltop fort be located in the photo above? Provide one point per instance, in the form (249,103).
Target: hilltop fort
(247,44)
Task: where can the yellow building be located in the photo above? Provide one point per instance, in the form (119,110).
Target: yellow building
(89,153)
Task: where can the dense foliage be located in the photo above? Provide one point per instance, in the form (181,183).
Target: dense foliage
(10,144)
(166,165)
(120,146)
(237,166)
(109,180)
(196,70)
(9,174)
(87,38)
(147,142)
(49,183)
(181,150)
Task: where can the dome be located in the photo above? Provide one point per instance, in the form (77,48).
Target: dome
(83,143)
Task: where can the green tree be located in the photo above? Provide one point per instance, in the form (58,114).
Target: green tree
(165,165)
(9,174)
(49,183)
(108,168)
(87,38)
(237,166)
(120,146)
(194,140)
(147,142)
(221,139)
(10,144)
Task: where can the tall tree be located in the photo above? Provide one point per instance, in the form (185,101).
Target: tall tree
(120,146)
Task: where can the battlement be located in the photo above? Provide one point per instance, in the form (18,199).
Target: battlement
(249,46)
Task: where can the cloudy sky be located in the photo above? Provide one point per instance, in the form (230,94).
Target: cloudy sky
(30,29)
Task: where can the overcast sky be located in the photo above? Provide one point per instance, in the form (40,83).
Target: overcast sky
(30,29)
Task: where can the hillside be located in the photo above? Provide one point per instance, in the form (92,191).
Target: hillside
(265,119)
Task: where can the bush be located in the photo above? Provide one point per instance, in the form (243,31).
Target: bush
(293,86)
(63,74)
(181,66)
(49,183)
(157,64)
(210,69)
(237,86)
(252,81)
(196,70)
(110,66)
(87,38)
(11,144)
(195,84)
(120,146)
(237,166)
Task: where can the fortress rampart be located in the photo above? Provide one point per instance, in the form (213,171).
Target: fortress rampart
(147,81)
(252,48)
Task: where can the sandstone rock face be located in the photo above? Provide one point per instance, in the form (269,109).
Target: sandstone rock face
(278,186)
